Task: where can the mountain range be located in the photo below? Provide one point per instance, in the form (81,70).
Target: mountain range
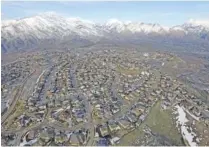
(52,30)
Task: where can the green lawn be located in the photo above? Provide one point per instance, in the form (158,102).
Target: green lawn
(160,121)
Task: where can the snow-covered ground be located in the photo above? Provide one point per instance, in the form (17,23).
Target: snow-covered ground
(8,104)
(195,117)
(145,73)
(58,110)
(186,131)
(40,76)
(145,54)
(25,143)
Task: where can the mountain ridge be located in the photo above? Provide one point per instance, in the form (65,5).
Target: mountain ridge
(28,32)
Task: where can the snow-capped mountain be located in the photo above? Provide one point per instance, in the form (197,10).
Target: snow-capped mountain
(48,25)
(27,32)
(133,27)
(51,27)
(114,25)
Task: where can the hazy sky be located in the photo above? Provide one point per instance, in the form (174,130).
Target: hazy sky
(165,13)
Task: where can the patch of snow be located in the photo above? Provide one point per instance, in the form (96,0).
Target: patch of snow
(68,107)
(69,123)
(195,117)
(41,111)
(25,143)
(21,116)
(8,104)
(127,22)
(177,28)
(40,76)
(115,24)
(145,54)
(142,117)
(96,134)
(113,21)
(58,110)
(69,134)
(202,22)
(144,73)
(146,28)
(181,121)
(114,140)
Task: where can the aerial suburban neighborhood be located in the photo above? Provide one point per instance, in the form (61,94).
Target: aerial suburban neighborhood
(92,98)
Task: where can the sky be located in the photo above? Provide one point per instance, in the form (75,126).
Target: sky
(164,13)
